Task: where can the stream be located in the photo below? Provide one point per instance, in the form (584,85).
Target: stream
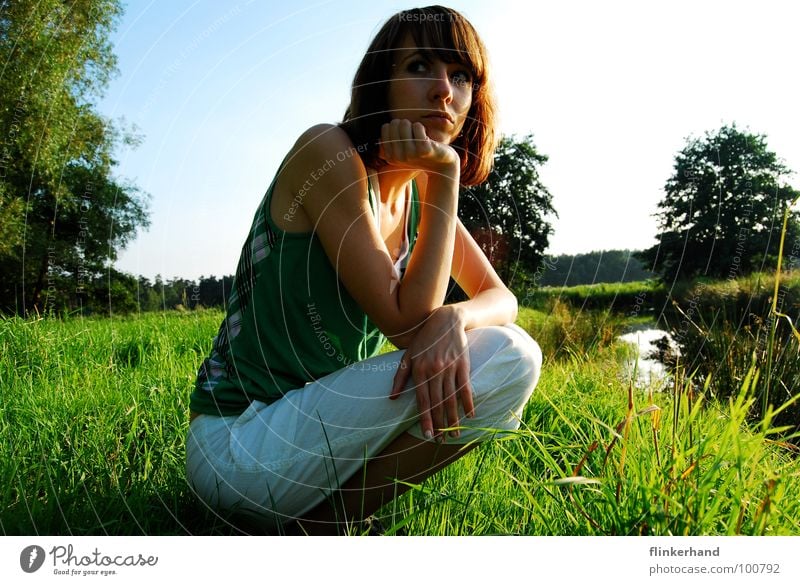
(650,371)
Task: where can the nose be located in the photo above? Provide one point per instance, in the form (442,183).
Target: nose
(441,85)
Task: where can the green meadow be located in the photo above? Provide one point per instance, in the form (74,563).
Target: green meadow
(94,411)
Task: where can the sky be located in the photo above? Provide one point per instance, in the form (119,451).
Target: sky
(610,91)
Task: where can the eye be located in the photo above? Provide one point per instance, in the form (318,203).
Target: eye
(417,66)
(461,77)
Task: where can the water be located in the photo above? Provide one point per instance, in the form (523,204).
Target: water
(650,371)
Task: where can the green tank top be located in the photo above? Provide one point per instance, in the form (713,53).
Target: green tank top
(289,320)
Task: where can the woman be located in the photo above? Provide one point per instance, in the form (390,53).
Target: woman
(294,416)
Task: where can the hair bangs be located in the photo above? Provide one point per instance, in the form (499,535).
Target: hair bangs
(450,39)
(438,33)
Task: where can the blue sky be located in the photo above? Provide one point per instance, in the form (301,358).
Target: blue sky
(609,90)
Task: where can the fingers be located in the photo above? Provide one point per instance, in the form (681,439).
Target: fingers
(437,360)
(465,388)
(424,409)
(429,404)
(451,404)
(428,396)
(422,143)
(438,399)
(402,141)
(401,377)
(436,391)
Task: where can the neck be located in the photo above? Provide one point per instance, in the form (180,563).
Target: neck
(393,183)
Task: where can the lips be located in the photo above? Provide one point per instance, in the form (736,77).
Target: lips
(439,115)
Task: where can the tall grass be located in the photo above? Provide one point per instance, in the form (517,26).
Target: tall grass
(94,412)
(563,331)
(595,458)
(727,328)
(620,297)
(93,415)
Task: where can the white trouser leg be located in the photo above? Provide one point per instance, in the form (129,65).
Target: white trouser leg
(282,459)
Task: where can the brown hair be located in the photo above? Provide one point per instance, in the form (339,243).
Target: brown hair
(447,35)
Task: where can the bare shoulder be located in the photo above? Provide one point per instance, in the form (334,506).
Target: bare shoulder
(322,134)
(324,146)
(323,159)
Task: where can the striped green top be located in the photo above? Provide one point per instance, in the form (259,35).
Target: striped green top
(289,320)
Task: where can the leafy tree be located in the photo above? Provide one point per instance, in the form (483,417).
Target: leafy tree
(63,214)
(114,292)
(723,210)
(508,213)
(213,292)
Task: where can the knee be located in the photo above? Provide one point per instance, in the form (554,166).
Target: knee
(526,348)
(505,367)
(527,357)
(509,354)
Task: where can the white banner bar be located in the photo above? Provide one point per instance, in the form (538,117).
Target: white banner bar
(406,560)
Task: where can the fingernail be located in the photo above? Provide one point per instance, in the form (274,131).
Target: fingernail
(428,435)
(455,434)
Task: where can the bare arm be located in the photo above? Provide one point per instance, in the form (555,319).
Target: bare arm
(336,204)
(425,281)
(490,302)
(437,358)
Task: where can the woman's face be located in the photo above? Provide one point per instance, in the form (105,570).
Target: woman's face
(432,92)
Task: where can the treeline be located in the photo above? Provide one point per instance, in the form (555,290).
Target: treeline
(180,293)
(118,292)
(115,292)
(591,268)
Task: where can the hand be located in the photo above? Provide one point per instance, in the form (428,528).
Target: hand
(408,145)
(437,360)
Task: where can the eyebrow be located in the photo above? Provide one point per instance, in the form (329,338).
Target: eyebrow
(430,55)
(414,53)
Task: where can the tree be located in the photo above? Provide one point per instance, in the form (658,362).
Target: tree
(63,214)
(508,213)
(723,209)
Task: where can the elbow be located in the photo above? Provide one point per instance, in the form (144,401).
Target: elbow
(513,305)
(507,306)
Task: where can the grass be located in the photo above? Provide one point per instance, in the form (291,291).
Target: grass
(603,465)
(94,412)
(93,415)
(621,297)
(725,327)
(562,331)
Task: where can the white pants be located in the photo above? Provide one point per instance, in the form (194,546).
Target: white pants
(279,461)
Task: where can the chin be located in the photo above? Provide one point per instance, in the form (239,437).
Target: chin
(440,136)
